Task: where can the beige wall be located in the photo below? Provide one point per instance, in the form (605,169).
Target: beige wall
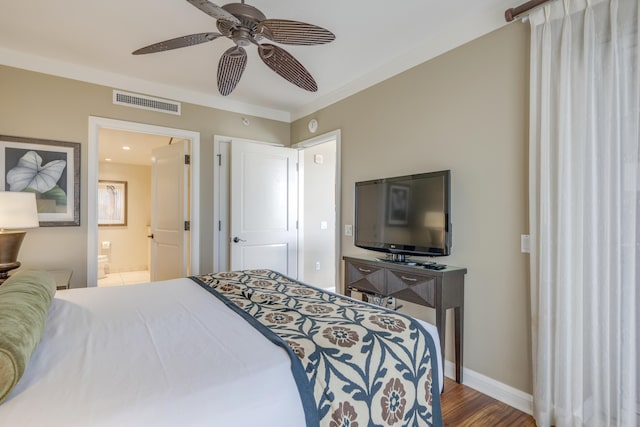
(129,245)
(41,106)
(465,111)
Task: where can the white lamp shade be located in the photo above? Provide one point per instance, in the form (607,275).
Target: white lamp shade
(18,210)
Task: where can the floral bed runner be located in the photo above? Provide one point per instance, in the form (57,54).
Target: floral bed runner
(355,364)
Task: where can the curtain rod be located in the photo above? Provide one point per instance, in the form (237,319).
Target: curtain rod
(514,12)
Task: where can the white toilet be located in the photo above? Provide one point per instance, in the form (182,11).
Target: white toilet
(102,263)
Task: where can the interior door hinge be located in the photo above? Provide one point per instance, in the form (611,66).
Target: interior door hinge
(187,225)
(187,159)
(219,159)
(219,225)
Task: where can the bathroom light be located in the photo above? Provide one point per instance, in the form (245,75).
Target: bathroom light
(126,148)
(18,210)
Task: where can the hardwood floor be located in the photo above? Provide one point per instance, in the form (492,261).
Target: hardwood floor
(463,406)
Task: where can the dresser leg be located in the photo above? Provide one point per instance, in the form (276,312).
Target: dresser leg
(441,323)
(458,342)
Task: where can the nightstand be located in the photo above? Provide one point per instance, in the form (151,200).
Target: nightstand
(62,278)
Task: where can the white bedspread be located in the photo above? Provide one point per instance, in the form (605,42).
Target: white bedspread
(159,354)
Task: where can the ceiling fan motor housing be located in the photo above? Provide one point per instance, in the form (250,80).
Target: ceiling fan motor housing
(249,18)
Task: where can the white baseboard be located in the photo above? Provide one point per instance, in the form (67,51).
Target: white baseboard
(499,391)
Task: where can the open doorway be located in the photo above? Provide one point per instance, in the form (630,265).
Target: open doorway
(318,207)
(319,199)
(129,133)
(124,205)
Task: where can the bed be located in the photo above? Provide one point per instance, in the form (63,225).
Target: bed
(182,353)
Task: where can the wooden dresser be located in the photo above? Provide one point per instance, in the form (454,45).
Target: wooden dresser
(437,289)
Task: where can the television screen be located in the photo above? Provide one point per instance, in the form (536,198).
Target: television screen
(407,215)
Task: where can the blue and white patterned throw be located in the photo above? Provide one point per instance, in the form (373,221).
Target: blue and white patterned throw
(355,364)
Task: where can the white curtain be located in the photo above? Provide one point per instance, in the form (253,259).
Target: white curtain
(584,184)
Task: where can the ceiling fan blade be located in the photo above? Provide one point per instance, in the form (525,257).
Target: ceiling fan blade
(214,10)
(283,63)
(294,32)
(230,69)
(178,42)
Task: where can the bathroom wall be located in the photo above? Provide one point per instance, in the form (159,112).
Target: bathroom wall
(129,245)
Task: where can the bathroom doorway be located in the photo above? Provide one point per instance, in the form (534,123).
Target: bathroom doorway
(124,205)
(122,249)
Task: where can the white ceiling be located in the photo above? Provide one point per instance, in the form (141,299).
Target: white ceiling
(112,143)
(93,40)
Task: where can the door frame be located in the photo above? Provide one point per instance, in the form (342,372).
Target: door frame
(223,182)
(97,123)
(222,193)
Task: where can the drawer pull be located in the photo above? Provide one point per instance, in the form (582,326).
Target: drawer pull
(408,279)
(364,270)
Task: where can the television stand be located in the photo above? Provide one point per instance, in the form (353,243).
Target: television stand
(439,289)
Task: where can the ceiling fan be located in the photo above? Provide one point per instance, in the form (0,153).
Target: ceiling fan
(246,25)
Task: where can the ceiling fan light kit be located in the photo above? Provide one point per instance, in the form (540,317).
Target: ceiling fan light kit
(246,25)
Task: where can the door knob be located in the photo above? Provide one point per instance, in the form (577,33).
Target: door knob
(150,236)
(237,239)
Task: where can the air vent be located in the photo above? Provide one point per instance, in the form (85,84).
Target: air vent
(145,102)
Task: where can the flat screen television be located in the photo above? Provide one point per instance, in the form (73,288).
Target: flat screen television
(405,215)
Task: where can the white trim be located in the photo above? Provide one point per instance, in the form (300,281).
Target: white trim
(495,389)
(82,73)
(97,123)
(301,219)
(221,145)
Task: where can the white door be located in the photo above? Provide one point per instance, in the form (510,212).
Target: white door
(264,189)
(169,211)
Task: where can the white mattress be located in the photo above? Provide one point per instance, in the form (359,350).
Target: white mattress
(162,354)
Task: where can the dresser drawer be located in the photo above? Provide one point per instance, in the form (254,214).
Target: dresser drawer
(365,277)
(415,288)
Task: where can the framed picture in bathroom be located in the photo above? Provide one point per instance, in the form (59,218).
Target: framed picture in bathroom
(49,169)
(112,203)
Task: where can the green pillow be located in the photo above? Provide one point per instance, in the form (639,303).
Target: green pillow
(25,298)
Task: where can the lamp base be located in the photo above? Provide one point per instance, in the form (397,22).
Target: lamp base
(10,242)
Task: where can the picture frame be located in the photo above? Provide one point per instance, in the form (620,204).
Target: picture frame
(112,203)
(398,205)
(48,168)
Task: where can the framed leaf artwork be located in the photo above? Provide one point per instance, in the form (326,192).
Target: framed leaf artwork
(50,169)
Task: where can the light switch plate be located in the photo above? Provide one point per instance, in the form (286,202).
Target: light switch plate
(348,230)
(524,244)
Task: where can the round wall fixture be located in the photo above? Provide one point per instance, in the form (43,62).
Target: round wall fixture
(313,125)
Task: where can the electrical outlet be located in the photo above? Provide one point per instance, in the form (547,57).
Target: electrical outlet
(317,265)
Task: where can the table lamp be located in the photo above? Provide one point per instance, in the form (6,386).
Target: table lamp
(18,210)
